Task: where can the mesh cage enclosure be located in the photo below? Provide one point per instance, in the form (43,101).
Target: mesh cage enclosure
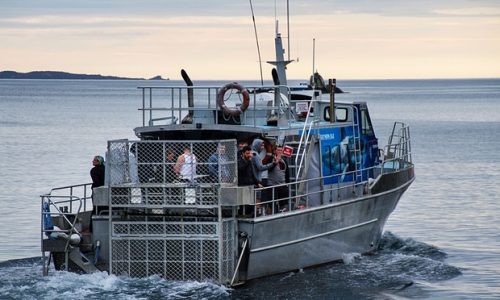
(139,252)
(155,187)
(170,162)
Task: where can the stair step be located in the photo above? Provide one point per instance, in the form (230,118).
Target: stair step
(81,261)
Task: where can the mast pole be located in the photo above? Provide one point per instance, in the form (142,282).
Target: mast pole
(288,25)
(257,40)
(314,57)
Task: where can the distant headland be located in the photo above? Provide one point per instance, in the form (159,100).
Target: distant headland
(65,75)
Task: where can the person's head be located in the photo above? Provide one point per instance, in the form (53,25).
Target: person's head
(222,149)
(169,155)
(187,149)
(246,153)
(257,145)
(98,160)
(242,144)
(279,150)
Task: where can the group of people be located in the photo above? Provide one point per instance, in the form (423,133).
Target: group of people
(258,167)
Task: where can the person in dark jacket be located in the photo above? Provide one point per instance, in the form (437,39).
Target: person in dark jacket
(97,175)
(246,175)
(97,172)
(279,175)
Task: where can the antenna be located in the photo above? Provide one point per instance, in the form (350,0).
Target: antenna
(257,40)
(288,25)
(314,54)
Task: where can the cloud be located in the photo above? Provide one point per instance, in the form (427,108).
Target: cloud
(11,8)
(14,8)
(96,21)
(405,8)
(470,12)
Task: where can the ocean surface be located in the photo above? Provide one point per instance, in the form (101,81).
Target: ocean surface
(441,242)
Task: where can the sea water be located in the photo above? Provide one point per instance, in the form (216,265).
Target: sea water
(441,242)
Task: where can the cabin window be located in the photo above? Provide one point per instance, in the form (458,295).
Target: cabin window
(366,123)
(341,114)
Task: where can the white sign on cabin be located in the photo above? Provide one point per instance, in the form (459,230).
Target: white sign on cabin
(301,107)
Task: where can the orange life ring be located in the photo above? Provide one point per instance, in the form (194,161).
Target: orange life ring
(234,111)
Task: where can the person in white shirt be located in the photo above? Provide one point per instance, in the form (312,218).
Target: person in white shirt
(186,165)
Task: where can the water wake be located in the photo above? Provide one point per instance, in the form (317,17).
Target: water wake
(22,279)
(392,272)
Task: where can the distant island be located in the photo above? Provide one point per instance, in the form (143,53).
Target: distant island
(64,75)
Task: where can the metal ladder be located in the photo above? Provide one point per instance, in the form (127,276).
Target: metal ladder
(303,145)
(358,157)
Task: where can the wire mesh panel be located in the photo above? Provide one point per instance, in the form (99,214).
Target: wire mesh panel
(180,194)
(142,162)
(118,163)
(148,180)
(228,250)
(193,253)
(166,228)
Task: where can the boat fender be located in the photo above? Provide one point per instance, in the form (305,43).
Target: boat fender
(48,225)
(57,233)
(75,239)
(237,110)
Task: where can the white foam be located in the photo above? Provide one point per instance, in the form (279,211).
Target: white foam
(349,258)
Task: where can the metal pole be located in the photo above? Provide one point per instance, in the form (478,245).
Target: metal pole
(314,54)
(332,83)
(257,40)
(143,107)
(288,26)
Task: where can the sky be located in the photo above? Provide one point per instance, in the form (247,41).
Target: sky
(354,39)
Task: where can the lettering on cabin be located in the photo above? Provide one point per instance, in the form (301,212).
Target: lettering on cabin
(327,136)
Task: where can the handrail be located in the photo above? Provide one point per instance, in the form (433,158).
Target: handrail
(401,148)
(63,214)
(175,98)
(50,200)
(401,159)
(85,193)
(358,163)
(304,139)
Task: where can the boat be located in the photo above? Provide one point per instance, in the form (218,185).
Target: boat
(202,225)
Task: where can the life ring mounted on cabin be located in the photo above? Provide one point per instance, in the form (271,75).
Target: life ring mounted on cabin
(234,111)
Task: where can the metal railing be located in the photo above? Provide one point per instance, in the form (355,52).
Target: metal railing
(63,204)
(170,104)
(300,194)
(398,148)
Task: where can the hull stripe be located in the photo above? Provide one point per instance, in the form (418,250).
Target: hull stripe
(313,236)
